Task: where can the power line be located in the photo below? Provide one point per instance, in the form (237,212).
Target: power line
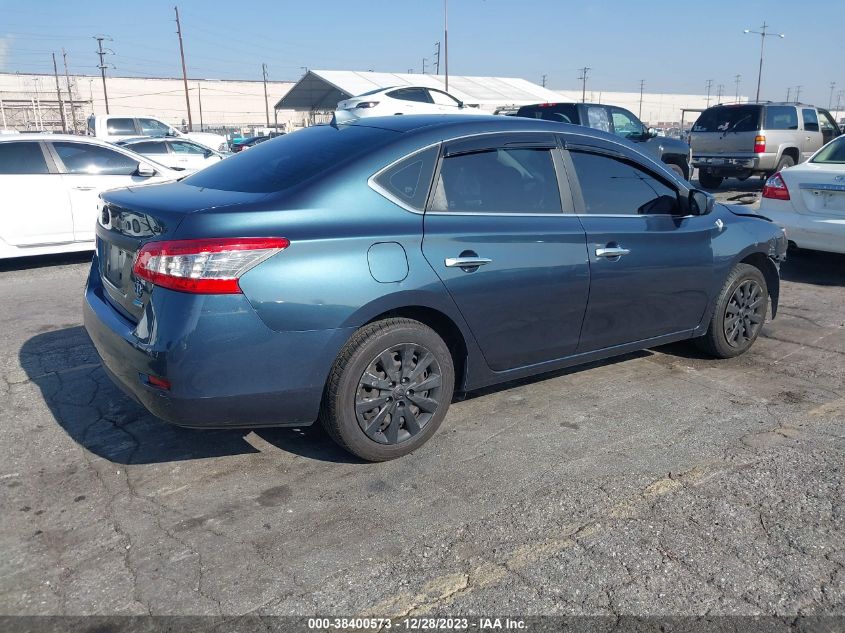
(102,66)
(583,77)
(266,103)
(642,85)
(184,71)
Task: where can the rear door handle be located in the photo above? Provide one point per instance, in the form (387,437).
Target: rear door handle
(84,188)
(466,262)
(612,251)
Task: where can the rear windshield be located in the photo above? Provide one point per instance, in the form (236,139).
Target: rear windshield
(833,153)
(288,160)
(745,118)
(560,112)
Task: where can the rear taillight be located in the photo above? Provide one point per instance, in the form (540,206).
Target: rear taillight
(210,266)
(775,188)
(366,104)
(759,144)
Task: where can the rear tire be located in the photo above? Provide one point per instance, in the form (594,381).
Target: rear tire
(739,314)
(679,171)
(708,180)
(784,162)
(389,389)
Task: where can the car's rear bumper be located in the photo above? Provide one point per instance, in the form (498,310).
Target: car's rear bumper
(225,366)
(730,164)
(805,230)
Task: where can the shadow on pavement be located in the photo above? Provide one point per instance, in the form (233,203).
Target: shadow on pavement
(45,261)
(101,418)
(814,267)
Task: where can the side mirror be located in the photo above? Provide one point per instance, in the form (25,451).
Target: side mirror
(700,202)
(208,153)
(460,104)
(145,171)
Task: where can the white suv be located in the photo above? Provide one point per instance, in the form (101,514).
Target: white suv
(111,127)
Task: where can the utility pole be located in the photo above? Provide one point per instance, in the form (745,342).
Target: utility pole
(437,58)
(59,95)
(184,72)
(199,98)
(69,93)
(709,85)
(544,81)
(266,103)
(736,81)
(642,85)
(763,33)
(839,96)
(103,66)
(425,59)
(830,101)
(720,89)
(788,90)
(583,77)
(446,40)
(798,93)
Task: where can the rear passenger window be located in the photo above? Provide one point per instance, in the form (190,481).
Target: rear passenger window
(781,118)
(22,158)
(410,179)
(148,148)
(121,127)
(411,94)
(611,186)
(507,180)
(811,120)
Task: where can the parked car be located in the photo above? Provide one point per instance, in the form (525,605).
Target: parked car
(176,153)
(251,141)
(808,200)
(674,152)
(120,127)
(295,281)
(402,100)
(51,186)
(741,140)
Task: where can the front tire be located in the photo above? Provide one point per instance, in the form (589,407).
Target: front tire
(739,315)
(679,171)
(388,390)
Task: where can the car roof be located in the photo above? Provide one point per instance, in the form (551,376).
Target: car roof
(455,122)
(33,136)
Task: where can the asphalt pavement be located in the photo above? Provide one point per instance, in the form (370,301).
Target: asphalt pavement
(661,483)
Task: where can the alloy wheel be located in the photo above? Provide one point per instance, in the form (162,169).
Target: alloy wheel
(398,394)
(744,313)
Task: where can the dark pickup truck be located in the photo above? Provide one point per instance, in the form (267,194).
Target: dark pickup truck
(675,153)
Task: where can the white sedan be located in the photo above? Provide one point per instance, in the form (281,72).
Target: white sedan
(51,186)
(401,100)
(808,200)
(176,153)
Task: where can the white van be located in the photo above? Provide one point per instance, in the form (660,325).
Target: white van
(114,127)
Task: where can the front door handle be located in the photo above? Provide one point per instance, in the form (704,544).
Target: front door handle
(84,188)
(466,262)
(612,251)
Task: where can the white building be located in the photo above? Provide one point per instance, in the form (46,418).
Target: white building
(30,102)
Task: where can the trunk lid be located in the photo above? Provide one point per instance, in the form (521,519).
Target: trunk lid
(817,188)
(726,130)
(129,218)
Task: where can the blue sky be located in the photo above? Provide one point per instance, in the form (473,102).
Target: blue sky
(675,47)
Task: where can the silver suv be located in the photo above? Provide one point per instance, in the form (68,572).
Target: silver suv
(739,140)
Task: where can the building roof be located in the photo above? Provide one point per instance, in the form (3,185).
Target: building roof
(320,90)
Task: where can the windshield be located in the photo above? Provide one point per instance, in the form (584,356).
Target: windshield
(286,161)
(745,118)
(832,153)
(560,112)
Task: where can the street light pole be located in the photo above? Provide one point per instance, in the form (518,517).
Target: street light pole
(763,33)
